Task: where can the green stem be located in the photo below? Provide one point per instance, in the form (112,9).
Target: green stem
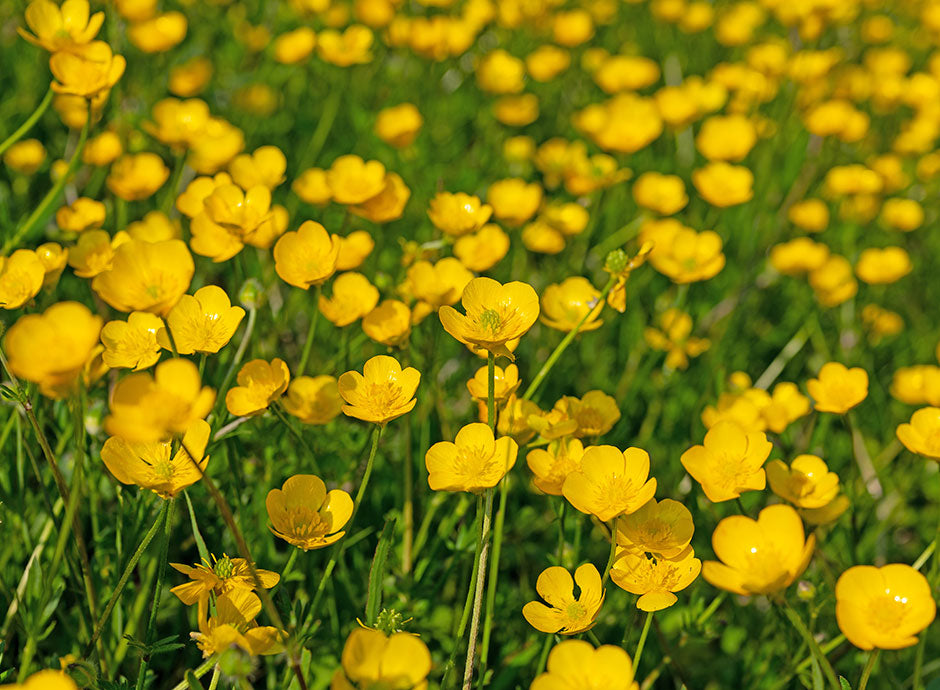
(169,193)
(287,569)
(866,672)
(407,511)
(28,124)
(494,576)
(311,331)
(157,591)
(239,353)
(613,552)
(638,654)
(807,636)
(478,594)
(199,673)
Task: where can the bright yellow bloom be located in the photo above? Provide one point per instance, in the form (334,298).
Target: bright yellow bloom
(44,680)
(566,614)
(192,200)
(65,28)
(398,125)
(305,514)
(576,665)
(160,33)
(264,167)
(483,249)
(25,156)
(722,184)
(313,399)
(53,257)
(383,392)
(729,463)
(787,405)
(883,266)
(51,348)
(218,145)
(514,200)
(610,482)
(883,608)
(203,322)
(178,123)
(662,528)
(132,344)
(137,176)
(82,214)
(353,250)
(761,556)
(806,483)
(674,339)
(681,253)
(838,389)
(94,252)
(190,78)
(353,297)
(103,149)
(565,304)
(306,257)
(231,218)
(233,626)
(21,277)
(151,408)
(833,282)
(260,383)
(440,283)
(664,194)
(500,73)
(922,434)
(726,137)
(505,383)
(312,187)
(353,180)
(146,276)
(389,323)
(476,460)
(513,419)
(458,214)
(372,661)
(295,46)
(655,579)
(220,577)
(150,465)
(552,465)
(495,314)
(352,47)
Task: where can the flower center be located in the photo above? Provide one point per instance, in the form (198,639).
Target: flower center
(490,320)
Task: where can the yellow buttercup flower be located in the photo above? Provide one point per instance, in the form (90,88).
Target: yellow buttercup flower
(481,250)
(722,184)
(476,460)
(761,556)
(137,176)
(219,144)
(383,392)
(883,608)
(681,253)
(305,514)
(21,278)
(53,257)
(219,577)
(922,434)
(25,156)
(94,252)
(838,389)
(264,167)
(313,399)
(495,314)
(231,218)
(726,137)
(260,383)
(398,125)
(730,461)
(440,283)
(61,28)
(203,322)
(353,180)
(353,297)
(389,323)
(82,214)
(151,464)
(295,46)
(500,73)
(675,340)
(372,660)
(662,528)
(45,680)
(610,482)
(811,215)
(313,187)
(655,580)
(664,194)
(883,266)
(160,33)
(352,47)
(307,256)
(576,665)
(565,304)
(458,214)
(552,465)
(806,483)
(514,201)
(190,78)
(132,344)
(192,200)
(103,149)
(833,281)
(505,383)
(567,615)
(178,123)
(234,626)
(146,276)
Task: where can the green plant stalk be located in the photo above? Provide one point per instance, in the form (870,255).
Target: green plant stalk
(311,456)
(169,193)
(807,636)
(494,576)
(866,672)
(27,125)
(311,331)
(157,590)
(638,654)
(613,553)
(239,353)
(199,673)
(287,568)
(408,508)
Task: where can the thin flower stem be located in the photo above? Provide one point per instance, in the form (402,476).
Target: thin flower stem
(311,331)
(21,131)
(612,555)
(478,593)
(157,591)
(407,510)
(287,569)
(199,673)
(494,577)
(866,672)
(491,390)
(468,602)
(281,415)
(560,549)
(543,655)
(169,192)
(566,341)
(807,636)
(638,654)
(169,336)
(239,353)
(216,676)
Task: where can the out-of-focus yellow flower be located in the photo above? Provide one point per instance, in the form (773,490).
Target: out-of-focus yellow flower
(473,462)
(722,184)
(353,297)
(389,323)
(726,137)
(799,255)
(148,408)
(624,124)
(655,579)
(219,577)
(674,339)
(517,110)
(811,215)
(51,349)
(610,482)
(260,383)
(681,253)
(664,194)
(806,483)
(495,314)
(352,47)
(21,278)
(160,33)
(481,250)
(882,266)
(505,383)
(388,204)
(833,282)
(307,256)
(92,72)
(440,283)
(902,214)
(152,464)
(372,660)
(786,405)
(626,73)
(178,123)
(500,73)
(74,110)
(838,389)
(567,615)
(220,142)
(661,528)
(25,156)
(136,10)
(137,176)
(132,344)
(547,62)
(190,78)
(917,385)
(233,627)
(922,434)
(883,608)
(398,125)
(761,556)
(155,226)
(729,463)
(513,416)
(305,514)
(313,399)
(513,200)
(94,252)
(383,392)
(265,167)
(353,180)
(742,407)
(292,47)
(45,680)
(53,257)
(458,214)
(146,276)
(65,28)
(552,465)
(82,214)
(313,187)
(576,665)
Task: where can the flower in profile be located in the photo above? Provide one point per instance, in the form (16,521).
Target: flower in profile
(230,218)
(234,626)
(567,615)
(440,283)
(458,214)
(178,123)
(681,253)
(673,337)
(260,383)
(383,392)
(353,180)
(595,413)
(53,257)
(664,194)
(21,278)
(94,252)
(82,214)
(495,314)
(307,256)
(551,465)
(837,388)
(806,483)
(883,266)
(305,514)
(610,482)
(481,250)
(353,250)
(761,556)
(398,125)
(576,665)
(883,608)
(146,276)
(833,282)
(655,578)
(64,28)
(265,167)
(476,460)
(203,322)
(514,200)
(52,348)
(513,418)
(787,405)
(372,660)
(152,408)
(152,464)
(730,461)
(353,297)
(313,399)
(505,383)
(219,577)
(565,305)
(662,528)
(922,434)
(389,323)
(132,344)
(45,680)
(137,176)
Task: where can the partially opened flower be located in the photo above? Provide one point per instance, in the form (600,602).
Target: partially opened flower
(595,413)
(89,73)
(264,167)
(883,608)
(922,434)
(610,482)
(566,614)
(655,578)
(837,388)
(82,214)
(146,276)
(806,483)
(389,323)
(661,528)
(383,392)
(21,278)
(438,284)
(576,665)
(787,405)
(388,204)
(152,464)
(313,399)
(476,460)
(373,660)
(458,214)
(353,297)
(505,383)
(306,257)
(259,384)
(203,322)
(137,176)
(61,28)
(305,514)
(353,180)
(353,250)
(219,577)
(53,257)
(234,626)
(730,461)
(552,465)
(132,344)
(94,252)
(761,556)
(564,306)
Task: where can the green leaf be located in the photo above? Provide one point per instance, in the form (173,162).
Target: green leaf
(844,683)
(377,572)
(197,535)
